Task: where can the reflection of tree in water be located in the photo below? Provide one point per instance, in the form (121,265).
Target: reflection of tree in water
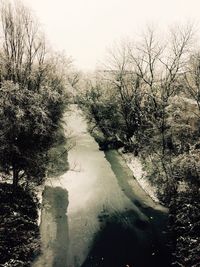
(56,202)
(58,154)
(125,240)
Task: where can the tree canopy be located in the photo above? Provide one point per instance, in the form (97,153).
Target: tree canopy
(33,96)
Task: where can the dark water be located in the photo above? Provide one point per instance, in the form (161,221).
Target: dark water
(93,216)
(125,239)
(54,228)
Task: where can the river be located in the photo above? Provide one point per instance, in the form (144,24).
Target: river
(96,214)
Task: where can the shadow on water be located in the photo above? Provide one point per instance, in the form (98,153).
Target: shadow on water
(158,215)
(126,240)
(54,228)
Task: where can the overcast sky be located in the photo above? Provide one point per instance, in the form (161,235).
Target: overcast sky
(85,28)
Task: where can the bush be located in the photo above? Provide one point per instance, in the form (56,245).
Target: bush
(19,242)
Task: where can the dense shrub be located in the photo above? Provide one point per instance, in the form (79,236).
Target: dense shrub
(19,242)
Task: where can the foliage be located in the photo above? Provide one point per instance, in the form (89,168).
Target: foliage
(185,222)
(24,129)
(19,230)
(32,95)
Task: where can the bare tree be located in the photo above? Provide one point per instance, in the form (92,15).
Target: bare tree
(160,68)
(23,46)
(192,79)
(123,79)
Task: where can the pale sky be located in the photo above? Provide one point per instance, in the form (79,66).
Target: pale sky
(84,29)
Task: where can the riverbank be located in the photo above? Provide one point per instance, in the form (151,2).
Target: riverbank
(39,192)
(19,242)
(135,165)
(133,162)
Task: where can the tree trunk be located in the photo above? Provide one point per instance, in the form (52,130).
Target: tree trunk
(15,177)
